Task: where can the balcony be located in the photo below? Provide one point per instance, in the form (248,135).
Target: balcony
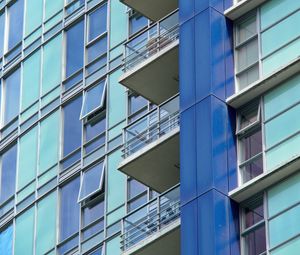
(154,228)
(154,9)
(151,61)
(151,147)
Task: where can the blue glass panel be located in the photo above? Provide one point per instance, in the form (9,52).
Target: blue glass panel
(97,49)
(94,128)
(93,212)
(136,23)
(12,96)
(6,239)
(75,47)
(15,24)
(69,209)
(2,27)
(8,173)
(72,140)
(97,22)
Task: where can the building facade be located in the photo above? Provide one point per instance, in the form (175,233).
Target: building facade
(142,127)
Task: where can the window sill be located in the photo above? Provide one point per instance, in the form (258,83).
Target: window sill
(241,8)
(260,87)
(265,180)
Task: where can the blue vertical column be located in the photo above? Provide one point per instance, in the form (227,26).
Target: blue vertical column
(209,223)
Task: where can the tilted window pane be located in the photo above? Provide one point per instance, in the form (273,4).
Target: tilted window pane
(94,99)
(6,240)
(15,16)
(46,224)
(52,60)
(33,16)
(27,157)
(2,30)
(8,173)
(72,140)
(49,142)
(97,22)
(97,49)
(12,96)
(92,181)
(52,7)
(74,48)
(31,80)
(69,209)
(24,237)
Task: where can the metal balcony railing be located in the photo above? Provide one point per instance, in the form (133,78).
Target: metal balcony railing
(150,218)
(151,41)
(150,127)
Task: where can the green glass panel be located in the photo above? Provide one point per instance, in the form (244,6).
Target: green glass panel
(49,142)
(292,247)
(117,130)
(118,23)
(113,246)
(31,80)
(24,233)
(115,181)
(280,127)
(52,59)
(46,224)
(117,98)
(115,215)
(284,195)
(284,32)
(27,158)
(283,153)
(282,97)
(116,52)
(281,58)
(34,15)
(284,226)
(48,175)
(274,10)
(52,7)
(26,192)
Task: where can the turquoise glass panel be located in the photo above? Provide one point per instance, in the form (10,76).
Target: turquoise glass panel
(46,224)
(292,247)
(118,23)
(52,7)
(6,240)
(284,32)
(274,10)
(117,98)
(52,60)
(115,181)
(284,226)
(282,126)
(283,153)
(24,233)
(113,246)
(49,142)
(27,158)
(281,58)
(33,15)
(31,80)
(284,195)
(115,215)
(282,97)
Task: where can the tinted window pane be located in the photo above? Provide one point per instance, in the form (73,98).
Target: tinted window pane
(94,127)
(97,49)
(72,140)
(34,15)
(75,46)
(136,102)
(8,173)
(69,209)
(6,240)
(2,26)
(93,212)
(136,23)
(12,96)
(97,22)
(135,188)
(15,24)
(52,7)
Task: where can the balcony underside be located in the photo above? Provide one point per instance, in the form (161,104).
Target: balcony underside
(156,78)
(157,164)
(164,242)
(154,9)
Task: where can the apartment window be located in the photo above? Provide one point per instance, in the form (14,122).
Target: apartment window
(97,22)
(74,48)
(137,194)
(94,99)
(246,46)
(137,106)
(250,142)
(253,227)
(2,32)
(6,240)
(136,22)
(92,181)
(15,19)
(69,209)
(11,96)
